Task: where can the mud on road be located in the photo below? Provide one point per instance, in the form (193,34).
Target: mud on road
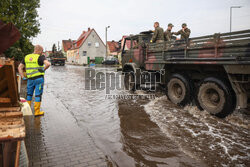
(150,132)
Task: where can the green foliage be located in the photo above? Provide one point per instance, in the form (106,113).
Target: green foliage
(56,53)
(23,14)
(54,49)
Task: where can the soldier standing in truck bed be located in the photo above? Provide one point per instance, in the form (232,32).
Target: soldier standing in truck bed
(168,33)
(184,32)
(158,35)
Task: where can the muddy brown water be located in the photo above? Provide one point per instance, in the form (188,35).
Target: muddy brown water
(150,132)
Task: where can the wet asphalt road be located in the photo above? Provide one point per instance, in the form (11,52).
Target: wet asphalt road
(147,132)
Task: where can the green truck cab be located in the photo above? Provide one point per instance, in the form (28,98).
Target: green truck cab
(210,71)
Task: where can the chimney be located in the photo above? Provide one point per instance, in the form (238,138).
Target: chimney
(89,29)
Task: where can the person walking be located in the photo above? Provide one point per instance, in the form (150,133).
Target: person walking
(35,65)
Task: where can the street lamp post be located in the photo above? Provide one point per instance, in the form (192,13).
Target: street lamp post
(106,36)
(231,9)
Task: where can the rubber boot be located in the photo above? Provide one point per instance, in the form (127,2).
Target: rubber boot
(37,109)
(29,102)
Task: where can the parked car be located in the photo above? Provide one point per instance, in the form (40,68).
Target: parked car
(110,61)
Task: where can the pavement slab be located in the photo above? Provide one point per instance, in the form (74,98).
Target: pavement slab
(55,139)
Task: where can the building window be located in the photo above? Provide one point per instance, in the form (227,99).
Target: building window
(84,53)
(89,43)
(97,44)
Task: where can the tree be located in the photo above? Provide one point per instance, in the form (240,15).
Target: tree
(54,49)
(23,14)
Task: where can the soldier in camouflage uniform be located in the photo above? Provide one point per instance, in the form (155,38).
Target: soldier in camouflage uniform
(158,35)
(184,32)
(168,33)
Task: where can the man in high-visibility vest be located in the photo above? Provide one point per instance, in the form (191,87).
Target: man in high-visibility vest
(35,65)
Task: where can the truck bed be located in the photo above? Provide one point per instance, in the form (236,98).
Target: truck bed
(224,48)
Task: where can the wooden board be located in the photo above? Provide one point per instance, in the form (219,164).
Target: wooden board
(9,96)
(5,100)
(10,109)
(12,126)
(2,61)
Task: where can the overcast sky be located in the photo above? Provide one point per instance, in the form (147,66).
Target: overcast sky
(64,19)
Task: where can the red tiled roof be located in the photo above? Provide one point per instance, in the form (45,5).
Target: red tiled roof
(73,45)
(83,37)
(78,43)
(67,44)
(113,46)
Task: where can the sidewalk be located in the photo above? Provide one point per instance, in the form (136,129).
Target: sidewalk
(55,139)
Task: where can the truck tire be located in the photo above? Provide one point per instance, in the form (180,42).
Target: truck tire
(129,81)
(216,97)
(179,89)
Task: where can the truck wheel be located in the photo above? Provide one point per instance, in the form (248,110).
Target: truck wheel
(129,81)
(179,89)
(215,96)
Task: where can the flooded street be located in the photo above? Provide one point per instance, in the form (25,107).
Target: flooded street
(147,132)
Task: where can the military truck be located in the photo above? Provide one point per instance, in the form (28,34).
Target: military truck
(57,58)
(211,71)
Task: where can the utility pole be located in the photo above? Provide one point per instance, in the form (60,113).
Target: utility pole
(231,10)
(106,36)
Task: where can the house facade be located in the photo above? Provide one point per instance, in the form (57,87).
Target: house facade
(87,47)
(66,45)
(71,56)
(113,48)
